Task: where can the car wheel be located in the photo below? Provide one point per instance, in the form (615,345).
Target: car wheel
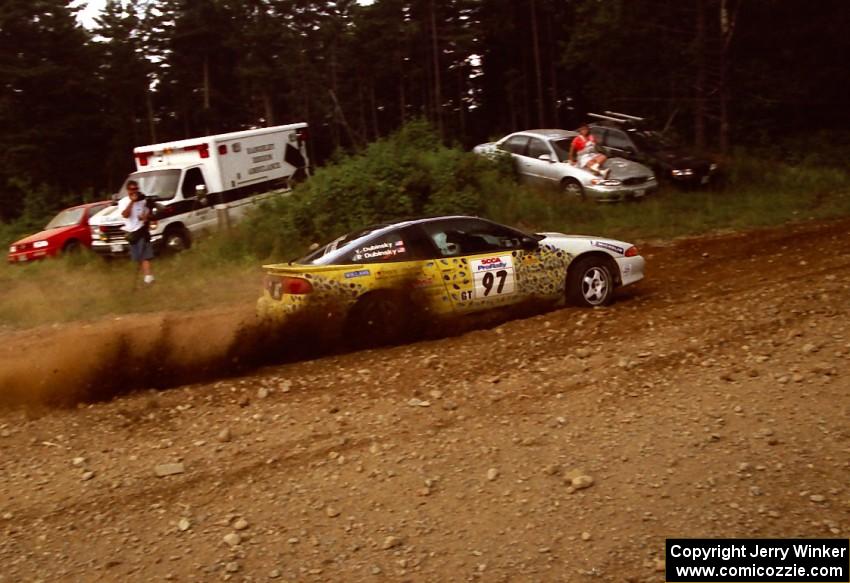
(176,240)
(72,247)
(377,319)
(590,282)
(572,187)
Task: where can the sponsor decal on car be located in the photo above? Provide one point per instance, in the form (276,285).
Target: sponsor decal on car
(379,250)
(608,246)
(358,273)
(491,263)
(493,276)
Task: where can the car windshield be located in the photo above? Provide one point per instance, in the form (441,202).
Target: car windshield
(651,140)
(562,148)
(66,218)
(315,256)
(159,183)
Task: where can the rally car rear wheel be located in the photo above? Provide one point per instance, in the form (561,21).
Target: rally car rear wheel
(377,319)
(590,282)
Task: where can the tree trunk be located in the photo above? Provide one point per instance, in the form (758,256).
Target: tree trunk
(553,74)
(538,75)
(268,109)
(206,93)
(699,87)
(438,97)
(334,105)
(374,106)
(461,104)
(206,89)
(402,101)
(151,120)
(361,102)
(340,115)
(727,30)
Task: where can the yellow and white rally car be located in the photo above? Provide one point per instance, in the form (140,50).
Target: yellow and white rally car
(373,281)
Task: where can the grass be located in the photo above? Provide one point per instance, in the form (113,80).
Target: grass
(758,195)
(88,287)
(226,269)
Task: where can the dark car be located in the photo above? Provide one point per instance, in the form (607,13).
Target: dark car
(628,136)
(67,231)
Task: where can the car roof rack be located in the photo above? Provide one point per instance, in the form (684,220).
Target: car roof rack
(620,118)
(625,116)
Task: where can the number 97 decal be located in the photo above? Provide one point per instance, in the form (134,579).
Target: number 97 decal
(493,276)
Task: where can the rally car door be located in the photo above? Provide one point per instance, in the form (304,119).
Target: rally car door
(402,259)
(485,265)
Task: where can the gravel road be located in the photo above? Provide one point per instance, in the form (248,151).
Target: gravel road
(712,400)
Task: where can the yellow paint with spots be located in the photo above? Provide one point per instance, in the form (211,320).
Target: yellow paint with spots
(442,287)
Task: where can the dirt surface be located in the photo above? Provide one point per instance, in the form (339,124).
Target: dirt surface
(711,400)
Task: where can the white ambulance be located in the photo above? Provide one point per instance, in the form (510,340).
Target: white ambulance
(200,183)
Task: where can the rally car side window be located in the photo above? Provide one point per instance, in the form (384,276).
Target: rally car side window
(457,237)
(408,244)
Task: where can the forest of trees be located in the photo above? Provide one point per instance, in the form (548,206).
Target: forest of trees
(74,101)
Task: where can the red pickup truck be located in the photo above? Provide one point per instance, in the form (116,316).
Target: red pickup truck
(67,231)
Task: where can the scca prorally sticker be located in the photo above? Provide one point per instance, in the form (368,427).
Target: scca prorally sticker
(358,273)
(609,246)
(493,276)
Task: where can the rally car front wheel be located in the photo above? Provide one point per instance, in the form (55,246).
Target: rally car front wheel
(590,282)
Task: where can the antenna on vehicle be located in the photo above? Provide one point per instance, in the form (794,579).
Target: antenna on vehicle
(625,116)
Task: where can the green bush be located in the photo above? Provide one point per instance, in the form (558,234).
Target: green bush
(408,174)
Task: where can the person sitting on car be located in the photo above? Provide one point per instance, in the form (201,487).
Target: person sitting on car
(583,146)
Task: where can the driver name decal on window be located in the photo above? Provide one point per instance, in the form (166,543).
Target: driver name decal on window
(493,276)
(385,250)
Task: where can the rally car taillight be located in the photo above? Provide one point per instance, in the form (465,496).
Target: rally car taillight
(277,286)
(632,251)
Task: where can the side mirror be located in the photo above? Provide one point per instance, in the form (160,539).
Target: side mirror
(529,244)
(201,194)
(545,158)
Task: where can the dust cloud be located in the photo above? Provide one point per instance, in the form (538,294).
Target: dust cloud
(60,367)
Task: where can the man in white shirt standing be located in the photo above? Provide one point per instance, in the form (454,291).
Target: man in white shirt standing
(134,209)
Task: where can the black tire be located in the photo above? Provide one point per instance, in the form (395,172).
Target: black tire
(572,187)
(72,247)
(176,239)
(590,282)
(377,319)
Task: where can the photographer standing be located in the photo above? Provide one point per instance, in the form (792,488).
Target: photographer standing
(137,213)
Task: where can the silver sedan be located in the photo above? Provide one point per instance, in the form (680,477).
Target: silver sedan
(541,157)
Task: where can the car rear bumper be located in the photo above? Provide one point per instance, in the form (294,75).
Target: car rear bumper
(631,269)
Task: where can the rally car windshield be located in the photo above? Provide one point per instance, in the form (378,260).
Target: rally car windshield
(161,184)
(66,218)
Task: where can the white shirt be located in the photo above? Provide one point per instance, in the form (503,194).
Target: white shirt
(134,222)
